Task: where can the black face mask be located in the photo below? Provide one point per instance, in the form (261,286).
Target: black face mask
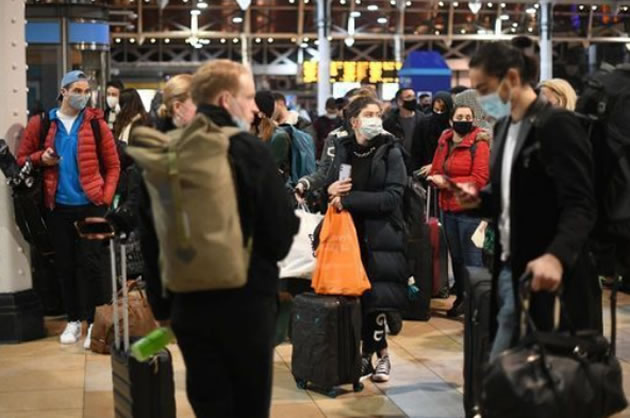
(462,127)
(409,105)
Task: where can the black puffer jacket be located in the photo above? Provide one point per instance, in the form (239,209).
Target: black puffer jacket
(379,207)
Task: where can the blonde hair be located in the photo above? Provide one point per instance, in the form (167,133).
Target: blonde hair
(266,128)
(214,77)
(176,89)
(564,91)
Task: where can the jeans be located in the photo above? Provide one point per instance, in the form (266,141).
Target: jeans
(459,228)
(506,317)
(79,263)
(227,345)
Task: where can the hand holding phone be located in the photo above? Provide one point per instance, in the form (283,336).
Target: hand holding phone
(344,172)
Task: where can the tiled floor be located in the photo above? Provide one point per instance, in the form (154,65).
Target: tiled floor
(44,380)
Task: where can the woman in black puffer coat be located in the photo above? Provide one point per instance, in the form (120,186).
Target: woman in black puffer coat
(373,196)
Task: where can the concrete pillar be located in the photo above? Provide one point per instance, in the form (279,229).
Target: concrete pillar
(323,29)
(21,316)
(546,46)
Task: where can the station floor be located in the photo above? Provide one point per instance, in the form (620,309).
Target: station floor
(45,380)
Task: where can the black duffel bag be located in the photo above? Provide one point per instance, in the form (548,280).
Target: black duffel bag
(555,375)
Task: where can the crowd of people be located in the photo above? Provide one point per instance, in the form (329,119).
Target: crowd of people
(509,152)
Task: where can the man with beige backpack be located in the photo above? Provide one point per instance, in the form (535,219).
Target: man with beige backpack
(218,209)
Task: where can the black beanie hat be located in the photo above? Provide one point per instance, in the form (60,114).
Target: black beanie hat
(265,102)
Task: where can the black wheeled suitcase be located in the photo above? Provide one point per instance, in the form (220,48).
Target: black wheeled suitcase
(420,265)
(326,337)
(141,389)
(476,335)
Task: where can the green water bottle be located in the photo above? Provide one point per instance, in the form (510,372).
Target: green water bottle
(152,343)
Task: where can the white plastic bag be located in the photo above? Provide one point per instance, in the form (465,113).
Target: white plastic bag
(480,234)
(300,262)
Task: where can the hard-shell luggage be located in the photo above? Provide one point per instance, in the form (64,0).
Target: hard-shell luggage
(476,335)
(141,389)
(326,336)
(421,268)
(439,249)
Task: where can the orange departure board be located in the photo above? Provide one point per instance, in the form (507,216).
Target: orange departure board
(355,71)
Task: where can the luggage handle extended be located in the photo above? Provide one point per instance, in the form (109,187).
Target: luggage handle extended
(125,295)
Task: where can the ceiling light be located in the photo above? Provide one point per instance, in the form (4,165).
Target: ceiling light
(513,30)
(291,1)
(132,40)
(202,5)
(304,45)
(392,2)
(505,17)
(481,31)
(235,40)
(515,25)
(349,41)
(409,3)
(342,2)
(237,19)
(357,1)
(306,1)
(258,40)
(530,11)
(441,4)
(382,20)
(625,8)
(270,40)
(306,39)
(503,5)
(204,41)
(195,12)
(294,40)
(474,6)
(530,29)
(463,31)
(536,6)
(581,7)
(330,38)
(185,1)
(490,4)
(223,40)
(355,14)
(456,4)
(372,7)
(167,41)
(594,7)
(437,32)
(152,40)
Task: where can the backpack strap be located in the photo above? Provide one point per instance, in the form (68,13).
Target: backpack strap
(44,126)
(96,131)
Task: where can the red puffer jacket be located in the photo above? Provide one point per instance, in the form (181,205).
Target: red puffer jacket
(458,163)
(99,188)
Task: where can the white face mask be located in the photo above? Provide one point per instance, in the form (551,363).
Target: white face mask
(371,127)
(112,102)
(242,124)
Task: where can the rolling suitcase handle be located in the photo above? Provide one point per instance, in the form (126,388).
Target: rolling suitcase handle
(125,295)
(432,192)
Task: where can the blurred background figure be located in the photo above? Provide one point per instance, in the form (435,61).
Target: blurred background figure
(559,93)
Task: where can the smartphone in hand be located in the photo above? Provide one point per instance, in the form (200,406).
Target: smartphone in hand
(88,229)
(344,172)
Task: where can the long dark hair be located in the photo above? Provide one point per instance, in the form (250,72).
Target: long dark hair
(358,104)
(497,58)
(130,106)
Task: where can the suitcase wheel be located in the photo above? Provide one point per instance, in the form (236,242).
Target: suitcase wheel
(358,387)
(331,393)
(301,384)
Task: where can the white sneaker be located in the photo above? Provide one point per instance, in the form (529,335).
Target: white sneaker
(382,370)
(72,333)
(88,338)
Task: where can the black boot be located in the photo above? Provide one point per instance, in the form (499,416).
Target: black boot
(457,309)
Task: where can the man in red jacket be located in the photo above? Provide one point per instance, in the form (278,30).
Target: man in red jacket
(80,171)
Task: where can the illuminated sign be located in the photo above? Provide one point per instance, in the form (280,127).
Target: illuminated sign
(355,71)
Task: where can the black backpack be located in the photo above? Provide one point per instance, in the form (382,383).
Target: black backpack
(604,108)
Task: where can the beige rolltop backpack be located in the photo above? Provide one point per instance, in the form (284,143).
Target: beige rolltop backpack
(193,200)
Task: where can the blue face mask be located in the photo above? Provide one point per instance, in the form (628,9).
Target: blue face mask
(78,101)
(494,106)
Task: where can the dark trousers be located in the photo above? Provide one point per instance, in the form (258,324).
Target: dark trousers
(227,345)
(374,335)
(459,228)
(79,263)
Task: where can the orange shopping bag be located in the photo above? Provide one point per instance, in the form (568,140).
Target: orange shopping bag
(339,269)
